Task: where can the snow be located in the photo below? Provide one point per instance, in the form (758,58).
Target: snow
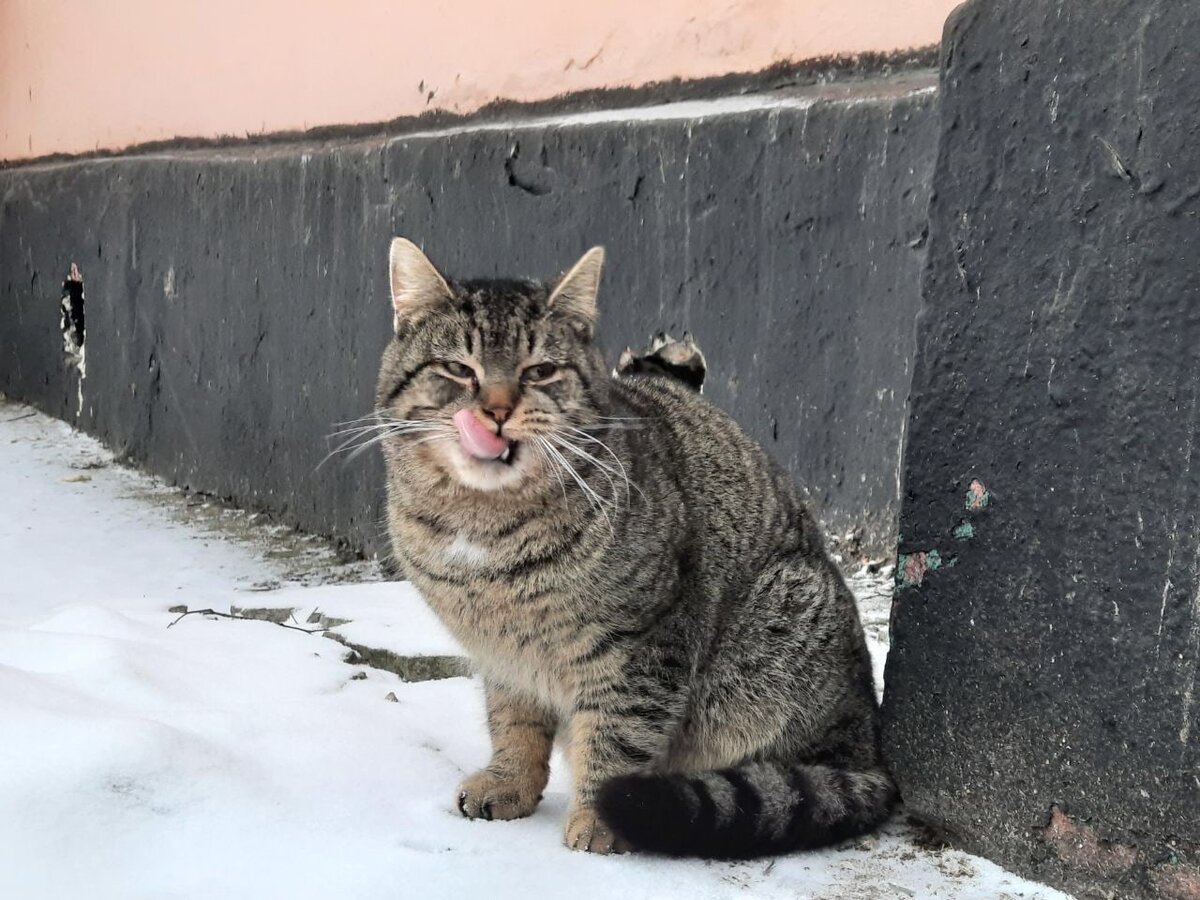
(385,615)
(224,759)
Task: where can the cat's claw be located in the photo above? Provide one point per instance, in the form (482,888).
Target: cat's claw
(680,360)
(472,809)
(488,796)
(587,831)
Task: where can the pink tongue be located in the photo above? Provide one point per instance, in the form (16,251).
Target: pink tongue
(476,438)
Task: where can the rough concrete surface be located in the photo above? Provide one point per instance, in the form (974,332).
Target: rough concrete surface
(235,299)
(1042,699)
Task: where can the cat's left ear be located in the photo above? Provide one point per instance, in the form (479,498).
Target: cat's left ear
(575,293)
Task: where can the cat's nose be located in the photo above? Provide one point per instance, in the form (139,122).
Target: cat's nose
(498,402)
(499,411)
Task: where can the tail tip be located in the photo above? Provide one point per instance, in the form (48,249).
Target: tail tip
(642,809)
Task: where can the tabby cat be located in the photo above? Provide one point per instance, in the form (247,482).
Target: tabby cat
(631,575)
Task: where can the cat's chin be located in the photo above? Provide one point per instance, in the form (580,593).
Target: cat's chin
(487,475)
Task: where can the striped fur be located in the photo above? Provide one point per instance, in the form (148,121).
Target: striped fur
(754,809)
(666,609)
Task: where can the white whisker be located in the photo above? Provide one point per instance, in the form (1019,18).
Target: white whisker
(377,415)
(607,449)
(610,426)
(398,427)
(587,457)
(593,498)
(356,439)
(437,437)
(608,471)
(375,435)
(550,464)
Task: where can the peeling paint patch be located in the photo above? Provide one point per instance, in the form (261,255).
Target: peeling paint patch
(964,531)
(977,495)
(1078,845)
(1177,882)
(911,568)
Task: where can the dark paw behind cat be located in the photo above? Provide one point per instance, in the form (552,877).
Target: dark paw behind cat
(681,360)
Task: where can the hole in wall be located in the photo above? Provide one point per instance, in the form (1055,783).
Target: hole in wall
(71,321)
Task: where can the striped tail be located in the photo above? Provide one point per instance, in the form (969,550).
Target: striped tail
(756,809)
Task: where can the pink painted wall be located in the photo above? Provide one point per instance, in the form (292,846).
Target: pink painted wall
(79,75)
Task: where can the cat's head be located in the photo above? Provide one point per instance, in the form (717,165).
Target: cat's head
(484,380)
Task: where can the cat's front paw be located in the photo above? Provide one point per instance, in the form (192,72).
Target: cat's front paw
(586,831)
(486,795)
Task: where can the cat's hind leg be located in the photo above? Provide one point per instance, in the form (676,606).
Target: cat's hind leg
(625,728)
(680,360)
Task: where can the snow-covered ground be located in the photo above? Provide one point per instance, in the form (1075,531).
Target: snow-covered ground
(220,758)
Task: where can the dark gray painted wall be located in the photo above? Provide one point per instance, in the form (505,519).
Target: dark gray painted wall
(1050,662)
(236,298)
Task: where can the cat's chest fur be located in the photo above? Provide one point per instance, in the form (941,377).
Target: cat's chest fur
(462,550)
(521,622)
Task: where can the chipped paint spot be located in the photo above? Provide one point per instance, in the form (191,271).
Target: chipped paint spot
(1077,844)
(964,531)
(1177,882)
(911,568)
(977,495)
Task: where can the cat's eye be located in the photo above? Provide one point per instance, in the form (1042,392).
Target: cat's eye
(540,372)
(457,369)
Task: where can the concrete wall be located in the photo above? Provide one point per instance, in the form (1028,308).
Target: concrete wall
(236,302)
(77,75)
(1042,699)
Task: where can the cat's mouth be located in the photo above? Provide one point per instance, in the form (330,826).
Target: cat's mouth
(509,456)
(481,443)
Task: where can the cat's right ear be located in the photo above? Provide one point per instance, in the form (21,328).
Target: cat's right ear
(417,286)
